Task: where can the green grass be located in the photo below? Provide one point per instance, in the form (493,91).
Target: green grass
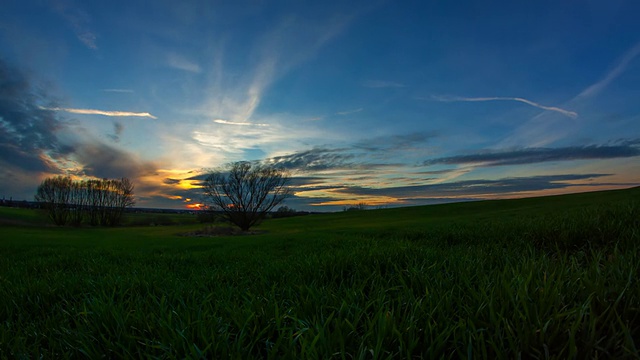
(535,278)
(148,219)
(26,217)
(16,216)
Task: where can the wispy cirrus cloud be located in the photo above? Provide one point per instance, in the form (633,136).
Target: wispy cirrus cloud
(564,112)
(118,90)
(79,21)
(614,73)
(235,91)
(396,142)
(546,128)
(348,112)
(103,112)
(237,123)
(232,142)
(180,62)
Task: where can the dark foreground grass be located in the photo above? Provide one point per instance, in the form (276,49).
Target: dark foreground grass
(503,282)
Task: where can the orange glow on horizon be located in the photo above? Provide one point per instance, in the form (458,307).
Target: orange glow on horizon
(197,206)
(369,201)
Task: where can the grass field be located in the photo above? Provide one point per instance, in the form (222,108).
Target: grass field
(552,277)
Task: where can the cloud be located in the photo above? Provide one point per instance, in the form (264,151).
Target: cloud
(180,62)
(118,90)
(103,112)
(36,142)
(466,190)
(314,160)
(613,74)
(233,142)
(237,123)
(564,112)
(437,172)
(104,161)
(545,128)
(539,155)
(349,111)
(237,83)
(477,188)
(381,84)
(118,128)
(361,156)
(28,132)
(396,142)
(156,190)
(170,181)
(288,44)
(79,21)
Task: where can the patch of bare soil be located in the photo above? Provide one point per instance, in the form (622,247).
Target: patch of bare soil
(210,231)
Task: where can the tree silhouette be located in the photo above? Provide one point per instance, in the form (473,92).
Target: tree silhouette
(100,202)
(55,194)
(244,192)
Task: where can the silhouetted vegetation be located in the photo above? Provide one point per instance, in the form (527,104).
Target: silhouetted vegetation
(206,215)
(244,192)
(356,207)
(97,202)
(285,211)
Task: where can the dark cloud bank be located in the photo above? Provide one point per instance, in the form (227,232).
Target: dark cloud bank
(479,187)
(623,149)
(344,159)
(358,156)
(27,132)
(315,160)
(31,143)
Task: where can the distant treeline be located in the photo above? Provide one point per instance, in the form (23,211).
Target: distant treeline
(96,202)
(285,211)
(19,203)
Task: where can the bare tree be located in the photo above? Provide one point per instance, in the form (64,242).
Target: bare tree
(77,203)
(120,197)
(54,193)
(244,192)
(107,200)
(100,202)
(356,207)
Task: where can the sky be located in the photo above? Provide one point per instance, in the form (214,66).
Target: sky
(386,103)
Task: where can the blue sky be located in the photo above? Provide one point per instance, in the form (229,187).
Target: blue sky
(386,103)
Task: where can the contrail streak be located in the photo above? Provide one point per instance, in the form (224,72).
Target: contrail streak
(103,112)
(220,121)
(118,90)
(564,112)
